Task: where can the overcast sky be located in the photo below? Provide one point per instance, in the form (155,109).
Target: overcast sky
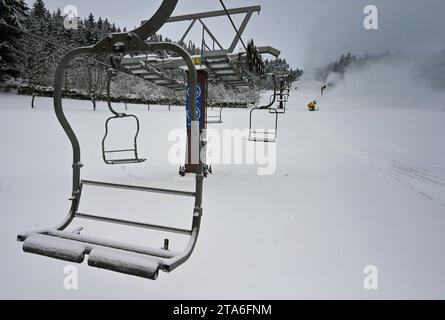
(308,32)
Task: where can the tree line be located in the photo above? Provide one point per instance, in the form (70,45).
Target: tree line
(279,66)
(28,60)
(341,65)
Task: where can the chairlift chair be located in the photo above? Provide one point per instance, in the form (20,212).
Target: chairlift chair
(282,97)
(282,101)
(215,119)
(136,260)
(117,116)
(261,135)
(264,135)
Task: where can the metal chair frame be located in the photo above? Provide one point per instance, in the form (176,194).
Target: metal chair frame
(129,259)
(268,136)
(117,116)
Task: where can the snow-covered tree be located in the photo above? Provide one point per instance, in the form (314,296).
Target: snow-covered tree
(279,66)
(91,79)
(33,59)
(12,12)
(37,56)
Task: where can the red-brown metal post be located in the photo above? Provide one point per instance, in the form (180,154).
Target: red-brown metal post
(202,105)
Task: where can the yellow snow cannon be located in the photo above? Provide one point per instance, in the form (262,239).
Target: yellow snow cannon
(312,106)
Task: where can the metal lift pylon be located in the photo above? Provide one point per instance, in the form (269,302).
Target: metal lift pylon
(190,165)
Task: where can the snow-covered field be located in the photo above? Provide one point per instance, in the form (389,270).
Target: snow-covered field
(362,182)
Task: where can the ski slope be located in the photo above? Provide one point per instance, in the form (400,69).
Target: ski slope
(359,183)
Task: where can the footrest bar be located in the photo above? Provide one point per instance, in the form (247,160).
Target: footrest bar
(138,188)
(132,223)
(118,151)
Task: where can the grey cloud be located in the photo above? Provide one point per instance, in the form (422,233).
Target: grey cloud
(309,32)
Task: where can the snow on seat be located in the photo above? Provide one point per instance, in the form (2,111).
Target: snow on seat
(124,262)
(102,257)
(56,248)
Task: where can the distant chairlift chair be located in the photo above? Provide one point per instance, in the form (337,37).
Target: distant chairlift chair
(134,151)
(282,97)
(215,119)
(261,135)
(282,102)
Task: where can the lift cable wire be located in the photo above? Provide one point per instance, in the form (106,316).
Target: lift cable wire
(233,24)
(53,43)
(100,62)
(65,48)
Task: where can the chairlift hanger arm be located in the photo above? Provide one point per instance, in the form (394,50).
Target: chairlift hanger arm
(128,42)
(274,91)
(109,78)
(150,27)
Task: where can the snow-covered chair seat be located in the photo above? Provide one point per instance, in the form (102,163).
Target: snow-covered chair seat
(104,254)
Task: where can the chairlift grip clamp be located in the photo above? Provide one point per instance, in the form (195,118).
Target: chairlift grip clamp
(198,212)
(75,195)
(78,165)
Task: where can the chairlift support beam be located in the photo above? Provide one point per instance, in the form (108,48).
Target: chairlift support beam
(210,53)
(214,14)
(206,29)
(187,31)
(241,30)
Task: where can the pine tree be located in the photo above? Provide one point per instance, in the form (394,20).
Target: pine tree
(38,57)
(90,30)
(100,26)
(12,12)
(35,53)
(39,9)
(107,26)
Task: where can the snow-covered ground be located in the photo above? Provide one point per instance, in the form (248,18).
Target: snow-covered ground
(362,182)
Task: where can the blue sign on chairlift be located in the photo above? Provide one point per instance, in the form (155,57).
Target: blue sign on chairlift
(198,105)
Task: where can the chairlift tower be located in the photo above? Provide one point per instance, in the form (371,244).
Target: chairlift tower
(192,165)
(239,71)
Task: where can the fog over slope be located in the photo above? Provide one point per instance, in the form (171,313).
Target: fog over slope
(408,83)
